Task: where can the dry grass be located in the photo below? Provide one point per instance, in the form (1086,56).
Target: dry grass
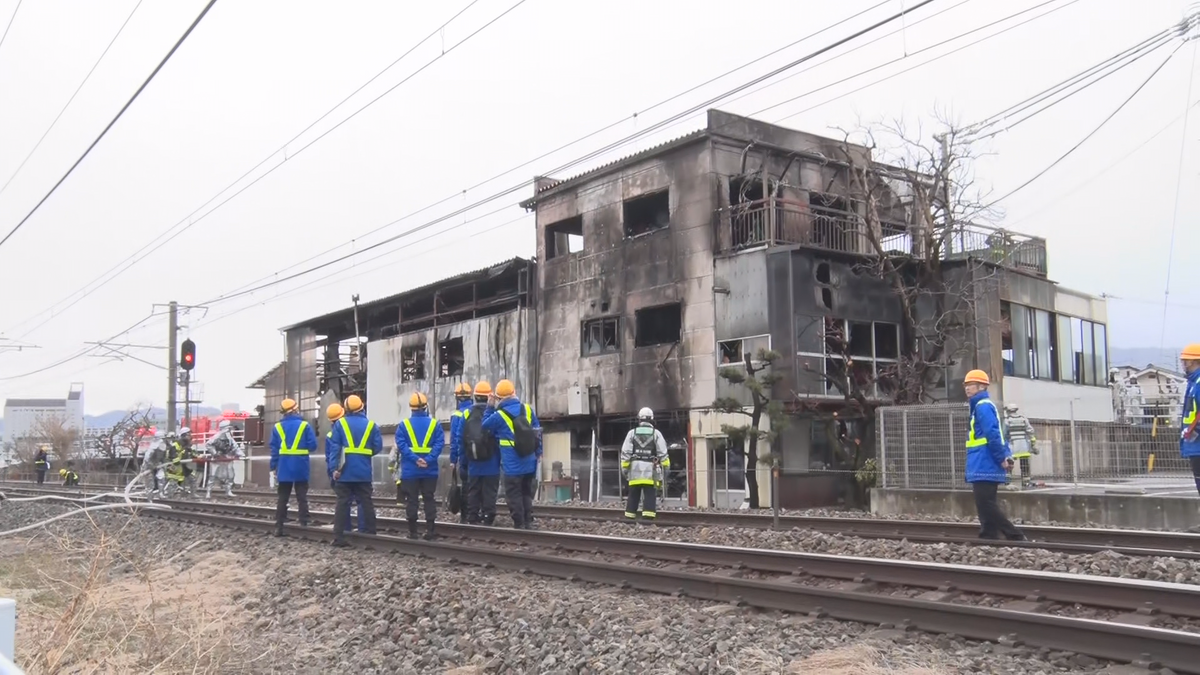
(89,606)
(864,658)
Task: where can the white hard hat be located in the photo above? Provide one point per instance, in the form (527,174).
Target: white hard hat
(160,434)
(184,431)
(225,424)
(646,414)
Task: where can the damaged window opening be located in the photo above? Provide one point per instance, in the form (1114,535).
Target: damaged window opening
(860,339)
(658,325)
(412,363)
(563,237)
(873,349)
(647,213)
(450,357)
(600,336)
(735,352)
(827,298)
(823,274)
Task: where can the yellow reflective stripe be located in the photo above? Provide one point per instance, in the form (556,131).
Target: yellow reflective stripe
(509,422)
(507,443)
(456,413)
(1191,418)
(973,442)
(624,465)
(359,448)
(642,481)
(412,436)
(284,449)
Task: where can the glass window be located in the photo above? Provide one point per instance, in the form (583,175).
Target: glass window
(1020,341)
(1087,360)
(1100,338)
(1043,342)
(1066,353)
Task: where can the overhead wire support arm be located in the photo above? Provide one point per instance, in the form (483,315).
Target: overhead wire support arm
(110,125)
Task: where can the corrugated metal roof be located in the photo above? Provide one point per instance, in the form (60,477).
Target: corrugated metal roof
(609,166)
(35,403)
(490,270)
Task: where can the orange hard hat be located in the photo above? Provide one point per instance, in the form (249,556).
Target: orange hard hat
(977,377)
(334,412)
(505,388)
(462,389)
(354,403)
(417,400)
(483,388)
(1191,352)
(288,405)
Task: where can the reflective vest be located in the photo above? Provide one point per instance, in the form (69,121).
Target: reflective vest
(1189,417)
(508,420)
(295,448)
(973,442)
(418,448)
(361,448)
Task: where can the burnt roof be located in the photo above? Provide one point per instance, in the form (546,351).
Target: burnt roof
(261,383)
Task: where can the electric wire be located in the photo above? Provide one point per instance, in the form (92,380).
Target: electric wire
(8,25)
(1093,132)
(191,219)
(1162,338)
(121,112)
(70,100)
(81,353)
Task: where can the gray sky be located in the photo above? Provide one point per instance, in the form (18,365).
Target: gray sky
(254,74)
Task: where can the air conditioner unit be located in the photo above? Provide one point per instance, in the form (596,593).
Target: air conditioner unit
(577,400)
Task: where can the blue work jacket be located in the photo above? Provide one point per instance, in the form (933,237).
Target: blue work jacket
(986,449)
(494,423)
(487,467)
(1191,403)
(355,439)
(419,436)
(456,425)
(292,439)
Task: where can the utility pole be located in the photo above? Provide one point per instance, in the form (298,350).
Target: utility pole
(172,363)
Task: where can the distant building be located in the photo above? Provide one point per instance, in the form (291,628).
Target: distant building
(22,415)
(1145,394)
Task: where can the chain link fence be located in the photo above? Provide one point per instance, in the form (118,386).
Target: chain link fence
(924,446)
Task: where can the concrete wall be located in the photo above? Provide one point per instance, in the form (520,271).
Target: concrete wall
(1124,511)
(1045,400)
(494,347)
(614,276)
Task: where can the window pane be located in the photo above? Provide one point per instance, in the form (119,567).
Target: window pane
(1043,366)
(1020,341)
(1100,338)
(1066,353)
(1088,360)
(1077,349)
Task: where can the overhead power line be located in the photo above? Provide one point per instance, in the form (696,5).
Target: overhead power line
(72,99)
(1162,338)
(121,112)
(8,25)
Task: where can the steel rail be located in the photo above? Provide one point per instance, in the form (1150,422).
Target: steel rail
(1148,598)
(1177,650)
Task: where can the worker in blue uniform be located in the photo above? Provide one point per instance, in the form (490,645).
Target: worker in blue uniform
(458,460)
(292,439)
(40,464)
(478,448)
(335,412)
(419,442)
(1189,435)
(519,435)
(988,459)
(355,440)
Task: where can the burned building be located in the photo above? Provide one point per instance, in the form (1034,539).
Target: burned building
(661,268)
(476,325)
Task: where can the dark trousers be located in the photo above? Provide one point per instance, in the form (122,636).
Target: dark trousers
(362,515)
(346,493)
(481,499)
(1195,470)
(993,524)
(400,496)
(518,492)
(647,495)
(41,476)
(284,490)
(420,489)
(464,477)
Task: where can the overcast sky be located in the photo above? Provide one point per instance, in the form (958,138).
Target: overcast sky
(254,74)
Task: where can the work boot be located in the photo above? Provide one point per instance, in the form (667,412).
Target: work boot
(430,534)
(412,529)
(340,544)
(279,532)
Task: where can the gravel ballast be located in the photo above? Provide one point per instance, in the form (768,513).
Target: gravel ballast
(315,609)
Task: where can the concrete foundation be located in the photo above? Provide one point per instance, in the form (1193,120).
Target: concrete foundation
(1141,512)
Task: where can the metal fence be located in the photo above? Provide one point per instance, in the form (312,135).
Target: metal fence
(924,446)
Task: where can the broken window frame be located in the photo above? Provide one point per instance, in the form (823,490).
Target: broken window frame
(648,227)
(873,364)
(447,360)
(571,232)
(753,343)
(598,324)
(414,371)
(640,341)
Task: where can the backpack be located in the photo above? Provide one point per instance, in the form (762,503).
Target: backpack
(477,444)
(525,437)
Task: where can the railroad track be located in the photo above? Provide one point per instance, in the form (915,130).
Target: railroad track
(1075,540)
(846,588)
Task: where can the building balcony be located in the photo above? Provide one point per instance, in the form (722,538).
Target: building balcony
(781,222)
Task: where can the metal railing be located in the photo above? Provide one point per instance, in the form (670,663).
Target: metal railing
(924,446)
(782,222)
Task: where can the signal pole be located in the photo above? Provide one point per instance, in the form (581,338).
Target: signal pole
(172,364)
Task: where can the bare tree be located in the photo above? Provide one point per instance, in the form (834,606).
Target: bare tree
(916,235)
(53,430)
(759,382)
(121,441)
